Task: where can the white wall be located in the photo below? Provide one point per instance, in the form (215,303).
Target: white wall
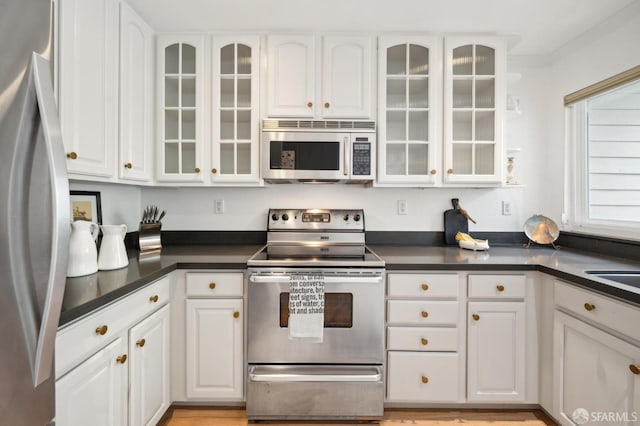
(120,203)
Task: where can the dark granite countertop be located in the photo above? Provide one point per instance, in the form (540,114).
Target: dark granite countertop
(86,294)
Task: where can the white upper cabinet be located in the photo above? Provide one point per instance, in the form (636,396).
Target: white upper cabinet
(136,97)
(294,88)
(409,105)
(87,58)
(474,104)
(180,103)
(235,116)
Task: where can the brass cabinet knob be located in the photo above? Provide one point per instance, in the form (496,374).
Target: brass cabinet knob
(425,287)
(72,155)
(500,288)
(236,314)
(433,171)
(141,342)
(102,330)
(309,104)
(475,317)
(449,171)
(425,314)
(589,307)
(153,298)
(634,369)
(122,359)
(212,285)
(424,341)
(128,165)
(197,170)
(327,104)
(214,170)
(425,379)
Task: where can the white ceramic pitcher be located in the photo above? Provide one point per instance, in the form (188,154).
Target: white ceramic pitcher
(113,254)
(83,254)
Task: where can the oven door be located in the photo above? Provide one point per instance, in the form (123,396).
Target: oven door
(305,155)
(354,318)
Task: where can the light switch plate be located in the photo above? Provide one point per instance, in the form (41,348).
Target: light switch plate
(219,207)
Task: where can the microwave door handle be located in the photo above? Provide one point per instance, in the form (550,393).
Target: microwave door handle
(346,156)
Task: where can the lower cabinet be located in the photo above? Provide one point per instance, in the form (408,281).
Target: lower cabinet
(112,367)
(423,377)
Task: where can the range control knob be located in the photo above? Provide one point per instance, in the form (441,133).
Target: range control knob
(356,218)
(346,217)
(285,216)
(274,216)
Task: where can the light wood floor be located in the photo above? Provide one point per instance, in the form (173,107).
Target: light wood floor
(200,416)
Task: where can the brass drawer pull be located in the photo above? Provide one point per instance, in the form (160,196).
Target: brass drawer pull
(425,314)
(449,171)
(141,342)
(476,317)
(212,285)
(122,359)
(128,165)
(214,170)
(424,341)
(433,171)
(425,287)
(425,379)
(589,307)
(72,155)
(327,104)
(634,369)
(500,288)
(102,330)
(153,298)
(197,170)
(309,104)
(236,314)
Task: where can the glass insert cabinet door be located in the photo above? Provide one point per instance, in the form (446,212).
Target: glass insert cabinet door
(474,101)
(180,100)
(409,96)
(235,123)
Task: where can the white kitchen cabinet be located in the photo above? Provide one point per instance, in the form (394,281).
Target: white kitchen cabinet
(595,373)
(496,351)
(304,82)
(423,377)
(474,105)
(214,349)
(150,395)
(235,116)
(409,105)
(180,100)
(94,393)
(87,58)
(102,376)
(136,97)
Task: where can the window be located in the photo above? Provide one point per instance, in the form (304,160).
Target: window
(603,132)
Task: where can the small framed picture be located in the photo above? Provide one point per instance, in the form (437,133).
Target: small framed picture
(85,205)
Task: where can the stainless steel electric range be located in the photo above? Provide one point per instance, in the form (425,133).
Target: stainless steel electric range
(340,375)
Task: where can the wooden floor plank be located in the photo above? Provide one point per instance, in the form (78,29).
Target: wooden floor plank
(213,416)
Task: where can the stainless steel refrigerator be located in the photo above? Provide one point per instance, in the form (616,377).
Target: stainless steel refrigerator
(34,215)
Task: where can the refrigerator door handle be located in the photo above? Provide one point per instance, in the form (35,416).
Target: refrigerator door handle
(43,362)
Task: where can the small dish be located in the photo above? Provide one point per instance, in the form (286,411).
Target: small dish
(542,230)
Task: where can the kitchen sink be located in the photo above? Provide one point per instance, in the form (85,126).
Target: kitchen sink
(631,278)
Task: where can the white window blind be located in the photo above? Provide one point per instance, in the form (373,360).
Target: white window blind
(613,155)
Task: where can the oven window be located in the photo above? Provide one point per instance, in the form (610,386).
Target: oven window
(304,155)
(338,310)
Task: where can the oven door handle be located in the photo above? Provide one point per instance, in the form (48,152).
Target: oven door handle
(328,279)
(314,374)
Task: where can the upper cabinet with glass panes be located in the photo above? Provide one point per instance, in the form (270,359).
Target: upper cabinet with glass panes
(409,105)
(235,121)
(180,100)
(474,103)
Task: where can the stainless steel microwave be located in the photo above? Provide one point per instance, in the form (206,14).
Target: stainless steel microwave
(318,151)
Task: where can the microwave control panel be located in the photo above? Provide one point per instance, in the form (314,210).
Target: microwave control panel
(361,157)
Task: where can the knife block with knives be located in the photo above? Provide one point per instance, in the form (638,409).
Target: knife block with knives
(149,230)
(455,220)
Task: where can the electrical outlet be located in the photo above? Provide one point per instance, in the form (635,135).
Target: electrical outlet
(402,207)
(219,207)
(506,208)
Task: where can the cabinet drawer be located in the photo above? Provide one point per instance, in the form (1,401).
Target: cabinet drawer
(408,372)
(497,286)
(215,284)
(427,339)
(83,338)
(423,285)
(422,312)
(610,313)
